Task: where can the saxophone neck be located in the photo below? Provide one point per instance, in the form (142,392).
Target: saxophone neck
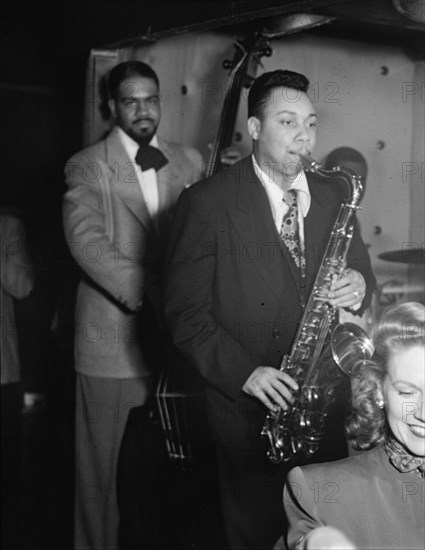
(354,182)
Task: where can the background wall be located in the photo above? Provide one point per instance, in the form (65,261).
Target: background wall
(368,96)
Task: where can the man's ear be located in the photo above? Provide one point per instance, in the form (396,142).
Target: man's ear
(112,107)
(254,126)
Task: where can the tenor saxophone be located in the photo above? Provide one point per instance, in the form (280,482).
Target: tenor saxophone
(298,429)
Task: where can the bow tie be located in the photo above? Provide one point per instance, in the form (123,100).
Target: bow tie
(403,461)
(150,157)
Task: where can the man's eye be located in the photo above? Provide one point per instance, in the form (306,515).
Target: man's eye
(287,122)
(153,101)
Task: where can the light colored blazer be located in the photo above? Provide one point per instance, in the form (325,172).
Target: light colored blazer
(113,239)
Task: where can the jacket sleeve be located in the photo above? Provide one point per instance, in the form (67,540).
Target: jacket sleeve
(117,268)
(301,511)
(190,268)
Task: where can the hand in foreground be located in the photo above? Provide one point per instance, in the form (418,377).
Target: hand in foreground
(326,538)
(271,386)
(348,291)
(230,155)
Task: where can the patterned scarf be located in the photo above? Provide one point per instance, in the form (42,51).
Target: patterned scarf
(402,460)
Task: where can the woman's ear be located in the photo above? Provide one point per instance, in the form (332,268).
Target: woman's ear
(379,398)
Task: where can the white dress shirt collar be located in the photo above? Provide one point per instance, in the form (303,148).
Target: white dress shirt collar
(275,193)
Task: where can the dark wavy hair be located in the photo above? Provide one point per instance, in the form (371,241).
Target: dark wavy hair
(260,91)
(400,327)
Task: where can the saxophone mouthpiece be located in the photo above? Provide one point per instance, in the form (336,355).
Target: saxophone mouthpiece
(308,162)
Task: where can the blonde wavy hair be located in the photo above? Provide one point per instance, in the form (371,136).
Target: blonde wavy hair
(400,327)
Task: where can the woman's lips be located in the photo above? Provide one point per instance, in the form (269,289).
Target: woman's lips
(419,431)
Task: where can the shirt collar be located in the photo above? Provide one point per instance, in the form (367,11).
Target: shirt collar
(273,190)
(132,146)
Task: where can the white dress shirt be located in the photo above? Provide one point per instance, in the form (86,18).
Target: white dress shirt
(148,179)
(275,195)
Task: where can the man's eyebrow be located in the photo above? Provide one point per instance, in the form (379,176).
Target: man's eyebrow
(285,111)
(132,96)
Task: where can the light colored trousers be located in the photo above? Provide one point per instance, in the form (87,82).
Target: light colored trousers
(102,407)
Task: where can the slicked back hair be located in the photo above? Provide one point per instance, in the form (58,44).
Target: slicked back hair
(262,87)
(127,69)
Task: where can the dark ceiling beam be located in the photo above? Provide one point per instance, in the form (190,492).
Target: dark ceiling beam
(381,13)
(230,14)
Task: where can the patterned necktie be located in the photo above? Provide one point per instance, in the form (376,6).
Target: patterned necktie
(403,461)
(150,157)
(289,231)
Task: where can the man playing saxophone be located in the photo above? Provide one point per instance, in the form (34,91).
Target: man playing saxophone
(244,253)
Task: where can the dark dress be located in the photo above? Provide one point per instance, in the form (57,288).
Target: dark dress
(364,496)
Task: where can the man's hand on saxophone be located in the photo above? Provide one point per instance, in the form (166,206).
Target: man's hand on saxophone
(271,386)
(348,291)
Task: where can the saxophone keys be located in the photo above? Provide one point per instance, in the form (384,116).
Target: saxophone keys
(304,421)
(322,296)
(296,446)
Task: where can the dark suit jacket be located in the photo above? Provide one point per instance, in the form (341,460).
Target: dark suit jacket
(112,238)
(233,294)
(363,496)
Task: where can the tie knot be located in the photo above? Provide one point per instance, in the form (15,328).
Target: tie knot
(150,157)
(290,196)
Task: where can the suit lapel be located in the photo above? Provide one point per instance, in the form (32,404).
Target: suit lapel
(172,179)
(253,206)
(169,173)
(124,179)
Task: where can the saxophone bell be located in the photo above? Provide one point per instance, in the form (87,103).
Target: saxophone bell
(351,347)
